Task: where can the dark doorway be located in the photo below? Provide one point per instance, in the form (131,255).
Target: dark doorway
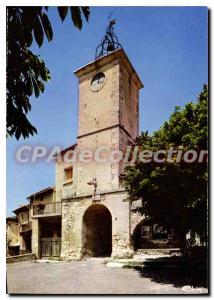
(50,227)
(27,241)
(50,238)
(97,231)
(13,250)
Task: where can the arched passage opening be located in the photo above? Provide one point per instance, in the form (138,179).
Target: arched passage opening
(147,234)
(141,233)
(97,231)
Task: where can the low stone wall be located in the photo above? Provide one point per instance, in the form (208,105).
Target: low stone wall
(19,258)
(166,251)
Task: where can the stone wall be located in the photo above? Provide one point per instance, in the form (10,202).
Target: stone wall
(64,189)
(35,237)
(129,102)
(71,229)
(12,233)
(99,110)
(23,216)
(135,215)
(72,224)
(165,251)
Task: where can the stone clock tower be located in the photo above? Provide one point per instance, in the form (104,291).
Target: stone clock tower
(108,117)
(96,219)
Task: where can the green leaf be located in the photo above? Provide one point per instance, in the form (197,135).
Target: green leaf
(44,72)
(76,16)
(29,86)
(86,12)
(63,11)
(41,86)
(38,32)
(47,27)
(36,88)
(178,188)
(28,36)
(18,134)
(26,72)
(32,129)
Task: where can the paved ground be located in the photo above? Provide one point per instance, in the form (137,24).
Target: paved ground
(87,277)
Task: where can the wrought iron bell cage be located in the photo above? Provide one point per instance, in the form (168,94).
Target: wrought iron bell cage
(109,42)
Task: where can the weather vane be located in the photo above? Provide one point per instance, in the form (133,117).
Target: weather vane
(109,42)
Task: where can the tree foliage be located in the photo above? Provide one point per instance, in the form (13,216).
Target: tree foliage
(27,72)
(175,194)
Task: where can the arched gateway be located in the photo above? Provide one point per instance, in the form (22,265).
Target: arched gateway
(97,231)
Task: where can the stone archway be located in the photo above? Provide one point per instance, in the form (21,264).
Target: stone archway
(141,231)
(97,231)
(148,234)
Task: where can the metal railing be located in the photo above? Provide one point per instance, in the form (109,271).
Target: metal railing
(26,227)
(47,208)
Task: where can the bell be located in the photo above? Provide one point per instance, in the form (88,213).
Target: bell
(110,47)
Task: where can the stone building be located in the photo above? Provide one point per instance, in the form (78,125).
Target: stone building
(24,228)
(88,212)
(19,231)
(46,224)
(93,223)
(99,225)
(12,236)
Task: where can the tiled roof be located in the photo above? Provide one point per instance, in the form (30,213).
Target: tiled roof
(22,207)
(50,188)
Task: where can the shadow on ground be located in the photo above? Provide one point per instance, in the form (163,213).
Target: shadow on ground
(175,270)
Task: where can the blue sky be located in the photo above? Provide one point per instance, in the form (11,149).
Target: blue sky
(168,47)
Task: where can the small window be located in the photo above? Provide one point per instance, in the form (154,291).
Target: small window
(22,216)
(69,174)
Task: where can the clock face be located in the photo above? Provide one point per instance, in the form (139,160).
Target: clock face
(98,81)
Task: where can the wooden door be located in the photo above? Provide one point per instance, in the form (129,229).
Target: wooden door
(56,248)
(50,248)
